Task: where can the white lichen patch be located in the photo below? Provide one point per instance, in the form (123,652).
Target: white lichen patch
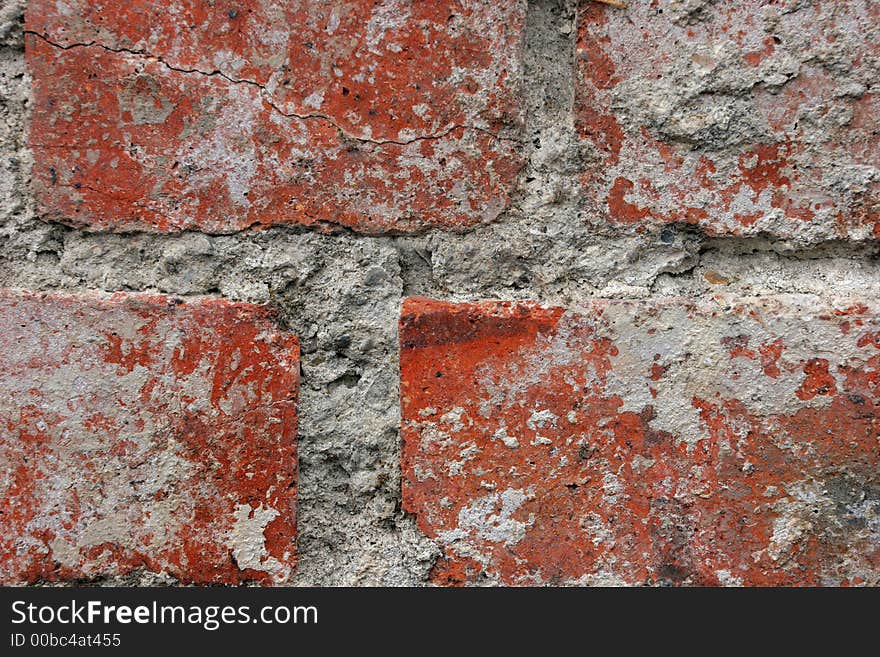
(509,441)
(247,540)
(483,520)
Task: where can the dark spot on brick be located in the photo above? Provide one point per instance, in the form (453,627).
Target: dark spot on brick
(586,452)
(673,573)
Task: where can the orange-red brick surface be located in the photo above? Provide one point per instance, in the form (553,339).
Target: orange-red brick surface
(722,442)
(143,434)
(380,117)
(741,118)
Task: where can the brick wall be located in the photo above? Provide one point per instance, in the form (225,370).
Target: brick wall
(401,292)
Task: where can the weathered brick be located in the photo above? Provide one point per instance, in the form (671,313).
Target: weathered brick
(380,117)
(726,441)
(143,433)
(739,117)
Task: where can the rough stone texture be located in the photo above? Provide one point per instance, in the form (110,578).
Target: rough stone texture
(142,432)
(163,116)
(721,442)
(13,138)
(739,117)
(341,294)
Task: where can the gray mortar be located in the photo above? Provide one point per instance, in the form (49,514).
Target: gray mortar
(341,294)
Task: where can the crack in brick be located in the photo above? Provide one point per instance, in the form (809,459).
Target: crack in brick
(267,96)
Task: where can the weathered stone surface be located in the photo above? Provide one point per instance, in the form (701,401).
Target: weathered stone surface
(142,433)
(723,441)
(341,293)
(739,117)
(163,116)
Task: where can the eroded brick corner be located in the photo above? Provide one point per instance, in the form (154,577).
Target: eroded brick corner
(145,434)
(739,117)
(378,117)
(721,441)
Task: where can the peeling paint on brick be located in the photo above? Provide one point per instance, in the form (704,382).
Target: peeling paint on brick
(142,433)
(652,443)
(741,118)
(388,117)
(340,290)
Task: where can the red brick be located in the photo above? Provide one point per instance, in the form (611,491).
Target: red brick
(720,442)
(143,433)
(799,74)
(380,117)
